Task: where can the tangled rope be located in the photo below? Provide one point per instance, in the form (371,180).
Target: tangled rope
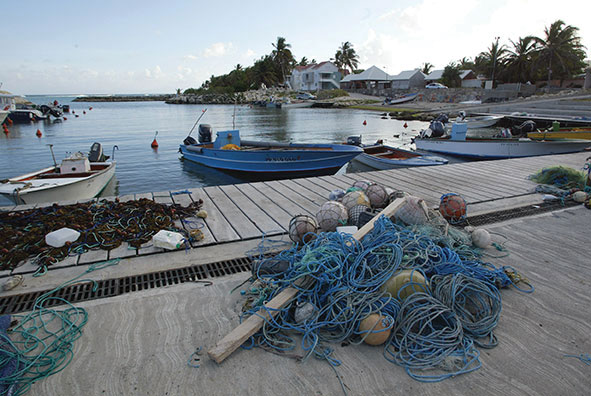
(102,225)
(42,341)
(341,281)
(429,335)
(476,303)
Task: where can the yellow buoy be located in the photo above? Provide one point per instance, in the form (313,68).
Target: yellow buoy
(404,283)
(377,327)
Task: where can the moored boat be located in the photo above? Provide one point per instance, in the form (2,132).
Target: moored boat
(381,157)
(499,147)
(77,177)
(265,160)
(401,99)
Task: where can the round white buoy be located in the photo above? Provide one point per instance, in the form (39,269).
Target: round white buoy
(331,215)
(579,196)
(355,198)
(481,238)
(302,228)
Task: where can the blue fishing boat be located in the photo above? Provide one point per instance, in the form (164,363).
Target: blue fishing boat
(265,160)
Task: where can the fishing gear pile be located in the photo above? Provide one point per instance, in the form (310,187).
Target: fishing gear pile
(102,225)
(427,296)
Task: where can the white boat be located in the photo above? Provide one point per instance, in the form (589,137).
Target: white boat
(297,104)
(77,177)
(480,121)
(499,147)
(382,157)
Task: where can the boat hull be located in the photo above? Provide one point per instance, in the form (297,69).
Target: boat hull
(296,161)
(500,148)
(3,115)
(414,160)
(57,190)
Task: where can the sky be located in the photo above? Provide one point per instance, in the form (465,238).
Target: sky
(129,46)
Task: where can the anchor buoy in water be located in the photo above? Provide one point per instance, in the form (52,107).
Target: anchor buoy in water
(39,134)
(83,111)
(405,125)
(364,122)
(154,142)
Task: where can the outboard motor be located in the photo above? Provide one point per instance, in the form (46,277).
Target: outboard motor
(204,133)
(96,153)
(443,118)
(525,127)
(437,128)
(354,140)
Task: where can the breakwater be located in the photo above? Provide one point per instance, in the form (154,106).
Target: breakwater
(124,98)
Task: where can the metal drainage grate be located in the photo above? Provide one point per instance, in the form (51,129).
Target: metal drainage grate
(524,211)
(114,287)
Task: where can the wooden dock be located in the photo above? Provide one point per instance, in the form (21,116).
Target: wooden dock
(246,212)
(139,343)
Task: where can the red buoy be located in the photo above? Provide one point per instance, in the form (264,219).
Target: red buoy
(154,142)
(405,125)
(9,121)
(65,118)
(83,111)
(39,134)
(364,122)
(5,129)
(90,108)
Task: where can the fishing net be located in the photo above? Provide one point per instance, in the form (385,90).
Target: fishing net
(562,177)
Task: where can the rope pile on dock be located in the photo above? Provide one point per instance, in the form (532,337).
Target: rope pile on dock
(102,225)
(435,324)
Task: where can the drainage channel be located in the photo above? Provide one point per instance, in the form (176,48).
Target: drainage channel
(114,287)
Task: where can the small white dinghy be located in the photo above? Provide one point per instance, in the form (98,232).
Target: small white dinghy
(78,177)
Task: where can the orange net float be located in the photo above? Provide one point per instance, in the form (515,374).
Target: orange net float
(452,207)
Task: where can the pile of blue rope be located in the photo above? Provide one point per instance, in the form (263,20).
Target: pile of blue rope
(341,282)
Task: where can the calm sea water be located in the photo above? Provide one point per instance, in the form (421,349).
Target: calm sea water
(132,126)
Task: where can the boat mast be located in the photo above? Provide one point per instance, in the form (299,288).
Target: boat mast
(52,156)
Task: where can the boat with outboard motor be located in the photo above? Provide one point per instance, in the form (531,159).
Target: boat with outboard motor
(457,144)
(380,156)
(258,160)
(79,176)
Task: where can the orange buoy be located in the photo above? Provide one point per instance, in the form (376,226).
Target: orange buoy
(375,328)
(65,118)
(405,125)
(364,122)
(9,121)
(39,134)
(5,128)
(452,207)
(154,142)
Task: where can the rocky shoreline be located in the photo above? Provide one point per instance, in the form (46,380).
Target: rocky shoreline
(123,98)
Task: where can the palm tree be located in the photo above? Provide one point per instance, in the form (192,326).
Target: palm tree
(494,58)
(303,62)
(519,59)
(346,57)
(282,56)
(560,49)
(451,75)
(427,67)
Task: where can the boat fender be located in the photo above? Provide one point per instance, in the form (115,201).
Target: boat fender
(194,149)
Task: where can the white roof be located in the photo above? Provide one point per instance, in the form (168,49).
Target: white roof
(372,74)
(405,75)
(438,74)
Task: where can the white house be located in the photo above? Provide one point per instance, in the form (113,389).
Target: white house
(468,77)
(314,77)
(408,79)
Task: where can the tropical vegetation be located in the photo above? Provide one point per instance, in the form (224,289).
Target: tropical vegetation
(557,55)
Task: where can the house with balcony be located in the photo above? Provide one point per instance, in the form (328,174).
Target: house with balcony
(315,77)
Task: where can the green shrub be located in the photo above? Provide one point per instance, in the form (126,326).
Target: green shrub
(332,93)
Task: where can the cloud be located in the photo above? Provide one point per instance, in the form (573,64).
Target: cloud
(217,49)
(190,57)
(249,53)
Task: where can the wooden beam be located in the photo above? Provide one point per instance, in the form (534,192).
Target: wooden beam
(250,326)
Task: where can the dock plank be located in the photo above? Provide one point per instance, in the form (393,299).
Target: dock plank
(235,216)
(272,208)
(262,220)
(313,196)
(287,204)
(221,229)
(294,196)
